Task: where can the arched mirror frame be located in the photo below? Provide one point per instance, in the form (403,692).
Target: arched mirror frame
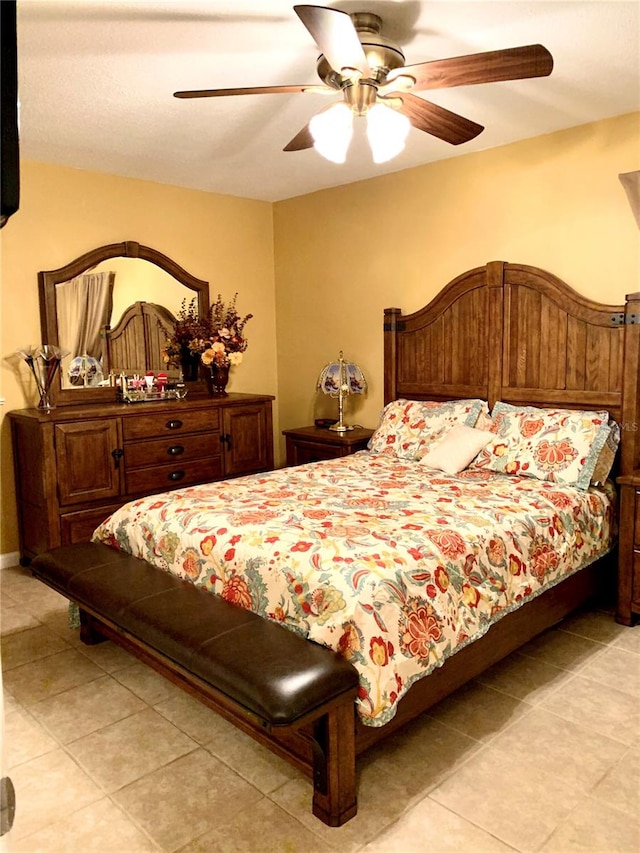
(47,281)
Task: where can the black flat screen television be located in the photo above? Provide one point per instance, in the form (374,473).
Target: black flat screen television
(9,144)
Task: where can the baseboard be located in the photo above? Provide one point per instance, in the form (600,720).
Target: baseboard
(7,561)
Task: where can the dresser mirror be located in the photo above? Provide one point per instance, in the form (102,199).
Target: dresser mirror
(112,309)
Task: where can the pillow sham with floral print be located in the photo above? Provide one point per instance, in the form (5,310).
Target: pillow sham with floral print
(408,427)
(560,445)
(607,456)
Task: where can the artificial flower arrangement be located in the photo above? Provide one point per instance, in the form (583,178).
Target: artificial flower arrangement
(218,337)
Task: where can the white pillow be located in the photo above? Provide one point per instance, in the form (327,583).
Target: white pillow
(459,446)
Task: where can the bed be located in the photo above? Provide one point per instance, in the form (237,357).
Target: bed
(344,552)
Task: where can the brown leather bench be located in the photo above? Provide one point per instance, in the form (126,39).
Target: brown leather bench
(261,676)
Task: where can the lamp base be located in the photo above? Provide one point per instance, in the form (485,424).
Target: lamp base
(340,427)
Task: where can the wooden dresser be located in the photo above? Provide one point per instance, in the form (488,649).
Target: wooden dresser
(77,464)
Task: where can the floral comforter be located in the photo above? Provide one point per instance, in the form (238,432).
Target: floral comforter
(394,565)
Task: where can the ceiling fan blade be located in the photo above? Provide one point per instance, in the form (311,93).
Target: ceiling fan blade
(255,90)
(514,63)
(335,35)
(300,141)
(437,120)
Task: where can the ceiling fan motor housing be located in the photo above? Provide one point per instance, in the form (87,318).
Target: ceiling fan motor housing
(382,54)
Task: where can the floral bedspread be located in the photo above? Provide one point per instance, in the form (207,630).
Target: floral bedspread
(394,565)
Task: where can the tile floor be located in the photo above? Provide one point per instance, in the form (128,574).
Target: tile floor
(540,754)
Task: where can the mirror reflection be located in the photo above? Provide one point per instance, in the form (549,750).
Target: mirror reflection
(115,317)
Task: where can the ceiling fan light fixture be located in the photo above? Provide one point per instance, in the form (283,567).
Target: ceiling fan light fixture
(332,130)
(387,132)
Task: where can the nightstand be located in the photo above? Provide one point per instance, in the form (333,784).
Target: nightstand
(629,549)
(311,444)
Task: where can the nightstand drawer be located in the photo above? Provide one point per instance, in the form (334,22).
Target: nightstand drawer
(636,525)
(313,452)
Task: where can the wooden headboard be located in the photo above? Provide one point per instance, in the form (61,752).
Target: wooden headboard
(134,344)
(519,334)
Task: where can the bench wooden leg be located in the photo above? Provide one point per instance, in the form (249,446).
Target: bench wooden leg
(334,766)
(89,630)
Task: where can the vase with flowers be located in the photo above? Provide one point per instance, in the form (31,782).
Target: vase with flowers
(213,343)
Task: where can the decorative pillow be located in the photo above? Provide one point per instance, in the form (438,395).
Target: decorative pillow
(485,420)
(605,460)
(560,445)
(408,427)
(458,447)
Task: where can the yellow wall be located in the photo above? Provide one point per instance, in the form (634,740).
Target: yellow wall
(345,254)
(65,212)
(318,270)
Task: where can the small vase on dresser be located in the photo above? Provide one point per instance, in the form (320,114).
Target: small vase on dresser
(216,376)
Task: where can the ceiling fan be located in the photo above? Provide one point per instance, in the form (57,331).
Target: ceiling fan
(368,69)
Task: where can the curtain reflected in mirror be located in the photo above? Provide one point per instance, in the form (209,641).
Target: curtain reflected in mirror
(84,308)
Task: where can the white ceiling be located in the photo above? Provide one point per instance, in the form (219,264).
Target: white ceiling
(96,83)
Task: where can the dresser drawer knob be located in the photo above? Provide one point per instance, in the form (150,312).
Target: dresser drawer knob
(174,424)
(176,475)
(175,450)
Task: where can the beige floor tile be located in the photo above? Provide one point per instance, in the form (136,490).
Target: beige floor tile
(561,649)
(263,828)
(423,753)
(478,711)
(146,683)
(14,618)
(194,790)
(629,640)
(85,709)
(48,788)
(609,712)
(124,751)
(25,738)
(14,576)
(193,718)
(595,827)
(38,599)
(10,703)
(595,625)
(429,826)
(526,678)
(108,656)
(253,762)
(616,668)
(572,753)
(100,827)
(58,622)
(383,796)
(26,646)
(500,794)
(621,786)
(42,678)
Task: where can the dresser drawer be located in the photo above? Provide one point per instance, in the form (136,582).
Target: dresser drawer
(150,425)
(165,477)
(636,526)
(175,449)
